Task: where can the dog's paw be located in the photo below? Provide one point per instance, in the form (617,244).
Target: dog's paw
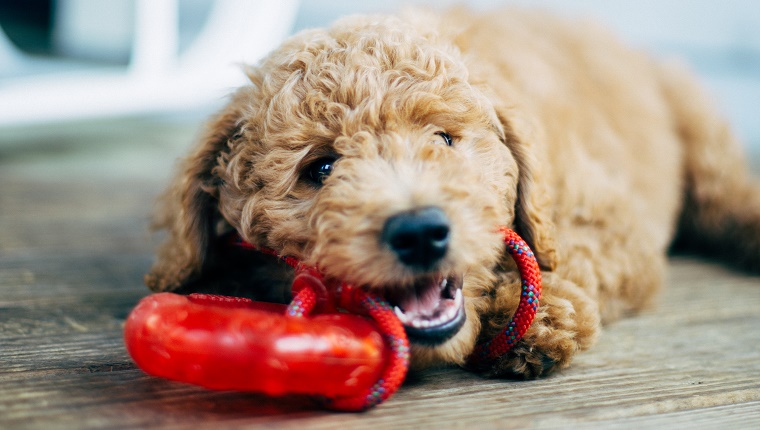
(528,360)
(567,322)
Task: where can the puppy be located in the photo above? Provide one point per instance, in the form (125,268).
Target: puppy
(387,150)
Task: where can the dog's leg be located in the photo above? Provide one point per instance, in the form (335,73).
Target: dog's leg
(604,273)
(567,321)
(722,202)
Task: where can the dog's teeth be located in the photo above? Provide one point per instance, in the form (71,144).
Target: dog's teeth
(444,283)
(458,299)
(400,314)
(398,311)
(446,313)
(450,312)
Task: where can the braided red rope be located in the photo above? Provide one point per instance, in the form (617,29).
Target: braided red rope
(307,288)
(487,352)
(310,294)
(304,302)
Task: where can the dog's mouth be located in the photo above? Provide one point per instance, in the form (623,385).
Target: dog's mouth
(432,310)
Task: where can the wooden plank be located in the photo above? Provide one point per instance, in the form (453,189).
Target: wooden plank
(678,357)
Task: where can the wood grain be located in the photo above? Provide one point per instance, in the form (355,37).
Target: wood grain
(72,256)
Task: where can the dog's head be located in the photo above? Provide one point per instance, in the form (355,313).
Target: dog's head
(365,150)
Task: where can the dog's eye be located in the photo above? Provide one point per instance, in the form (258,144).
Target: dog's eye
(444,138)
(319,170)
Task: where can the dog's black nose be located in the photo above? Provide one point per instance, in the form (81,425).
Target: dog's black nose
(419,238)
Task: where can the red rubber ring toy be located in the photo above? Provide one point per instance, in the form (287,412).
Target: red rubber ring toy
(230,343)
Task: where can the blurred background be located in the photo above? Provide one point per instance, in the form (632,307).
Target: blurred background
(122,86)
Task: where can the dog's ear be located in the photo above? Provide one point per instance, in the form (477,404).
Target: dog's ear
(189,211)
(533,221)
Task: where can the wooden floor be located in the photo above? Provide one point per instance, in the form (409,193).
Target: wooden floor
(74,204)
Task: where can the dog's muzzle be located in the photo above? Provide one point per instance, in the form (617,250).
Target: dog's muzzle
(432,310)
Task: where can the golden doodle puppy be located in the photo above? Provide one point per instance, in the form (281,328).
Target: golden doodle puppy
(387,150)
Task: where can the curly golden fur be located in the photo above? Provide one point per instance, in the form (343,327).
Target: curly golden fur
(596,154)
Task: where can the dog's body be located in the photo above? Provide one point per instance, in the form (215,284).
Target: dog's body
(387,150)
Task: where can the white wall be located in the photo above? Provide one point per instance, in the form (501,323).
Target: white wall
(138,57)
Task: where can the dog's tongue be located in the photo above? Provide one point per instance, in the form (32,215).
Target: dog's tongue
(424,300)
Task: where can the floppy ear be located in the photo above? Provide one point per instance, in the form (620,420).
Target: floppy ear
(188,209)
(533,220)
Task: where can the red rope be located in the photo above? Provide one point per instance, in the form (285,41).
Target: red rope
(310,285)
(388,324)
(395,372)
(487,352)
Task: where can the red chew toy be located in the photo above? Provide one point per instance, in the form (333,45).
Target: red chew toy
(230,343)
(241,345)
